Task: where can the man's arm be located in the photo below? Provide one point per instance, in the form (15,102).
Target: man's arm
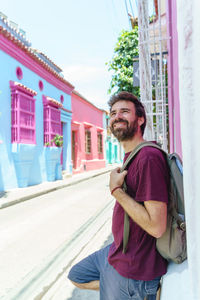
(152,217)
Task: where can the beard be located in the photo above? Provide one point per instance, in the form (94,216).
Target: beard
(124,134)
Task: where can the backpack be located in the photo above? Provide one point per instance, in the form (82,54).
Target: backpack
(172,244)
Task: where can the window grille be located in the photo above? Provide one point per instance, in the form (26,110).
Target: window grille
(87,141)
(153,69)
(52,120)
(22,114)
(99,142)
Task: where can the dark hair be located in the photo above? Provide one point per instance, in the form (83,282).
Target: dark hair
(139,108)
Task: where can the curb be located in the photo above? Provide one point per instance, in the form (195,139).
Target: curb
(49,190)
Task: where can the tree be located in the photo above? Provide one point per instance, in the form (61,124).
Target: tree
(121,64)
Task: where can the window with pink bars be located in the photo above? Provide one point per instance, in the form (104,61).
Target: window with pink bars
(22,114)
(52,122)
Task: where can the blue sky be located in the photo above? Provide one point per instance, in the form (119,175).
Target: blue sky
(78,35)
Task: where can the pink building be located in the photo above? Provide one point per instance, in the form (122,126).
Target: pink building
(87,135)
(173,79)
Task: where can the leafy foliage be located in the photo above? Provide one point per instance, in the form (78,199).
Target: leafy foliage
(57,141)
(121,64)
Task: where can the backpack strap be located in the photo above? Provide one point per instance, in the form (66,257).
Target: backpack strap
(125,165)
(136,150)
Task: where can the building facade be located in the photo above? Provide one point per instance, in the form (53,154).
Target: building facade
(87,133)
(183,27)
(173,79)
(35,106)
(114,150)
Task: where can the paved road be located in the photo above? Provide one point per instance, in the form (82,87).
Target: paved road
(63,289)
(34,234)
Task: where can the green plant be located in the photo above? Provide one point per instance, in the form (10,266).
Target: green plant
(57,141)
(121,64)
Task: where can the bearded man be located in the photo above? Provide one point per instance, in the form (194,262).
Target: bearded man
(135,274)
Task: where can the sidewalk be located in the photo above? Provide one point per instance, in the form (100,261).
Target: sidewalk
(19,195)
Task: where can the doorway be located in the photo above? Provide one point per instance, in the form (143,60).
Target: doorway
(74,148)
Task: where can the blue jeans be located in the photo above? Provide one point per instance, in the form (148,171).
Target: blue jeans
(113,286)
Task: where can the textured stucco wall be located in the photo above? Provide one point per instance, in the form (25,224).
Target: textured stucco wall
(183,282)
(188,23)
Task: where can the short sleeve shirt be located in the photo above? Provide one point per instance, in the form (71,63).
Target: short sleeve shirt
(147,179)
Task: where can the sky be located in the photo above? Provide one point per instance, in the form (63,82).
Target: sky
(77,35)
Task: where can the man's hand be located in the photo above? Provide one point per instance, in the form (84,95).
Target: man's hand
(116,178)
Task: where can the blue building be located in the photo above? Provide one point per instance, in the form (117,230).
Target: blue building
(35,112)
(113,149)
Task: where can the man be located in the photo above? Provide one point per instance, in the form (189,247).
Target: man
(136,273)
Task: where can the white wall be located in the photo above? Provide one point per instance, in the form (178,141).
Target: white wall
(183,282)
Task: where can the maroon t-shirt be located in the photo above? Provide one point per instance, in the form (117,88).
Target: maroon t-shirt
(147,179)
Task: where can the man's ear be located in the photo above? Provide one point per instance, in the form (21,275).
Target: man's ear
(140,120)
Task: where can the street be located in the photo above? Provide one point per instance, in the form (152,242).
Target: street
(63,289)
(42,237)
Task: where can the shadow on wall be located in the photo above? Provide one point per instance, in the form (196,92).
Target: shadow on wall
(87,294)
